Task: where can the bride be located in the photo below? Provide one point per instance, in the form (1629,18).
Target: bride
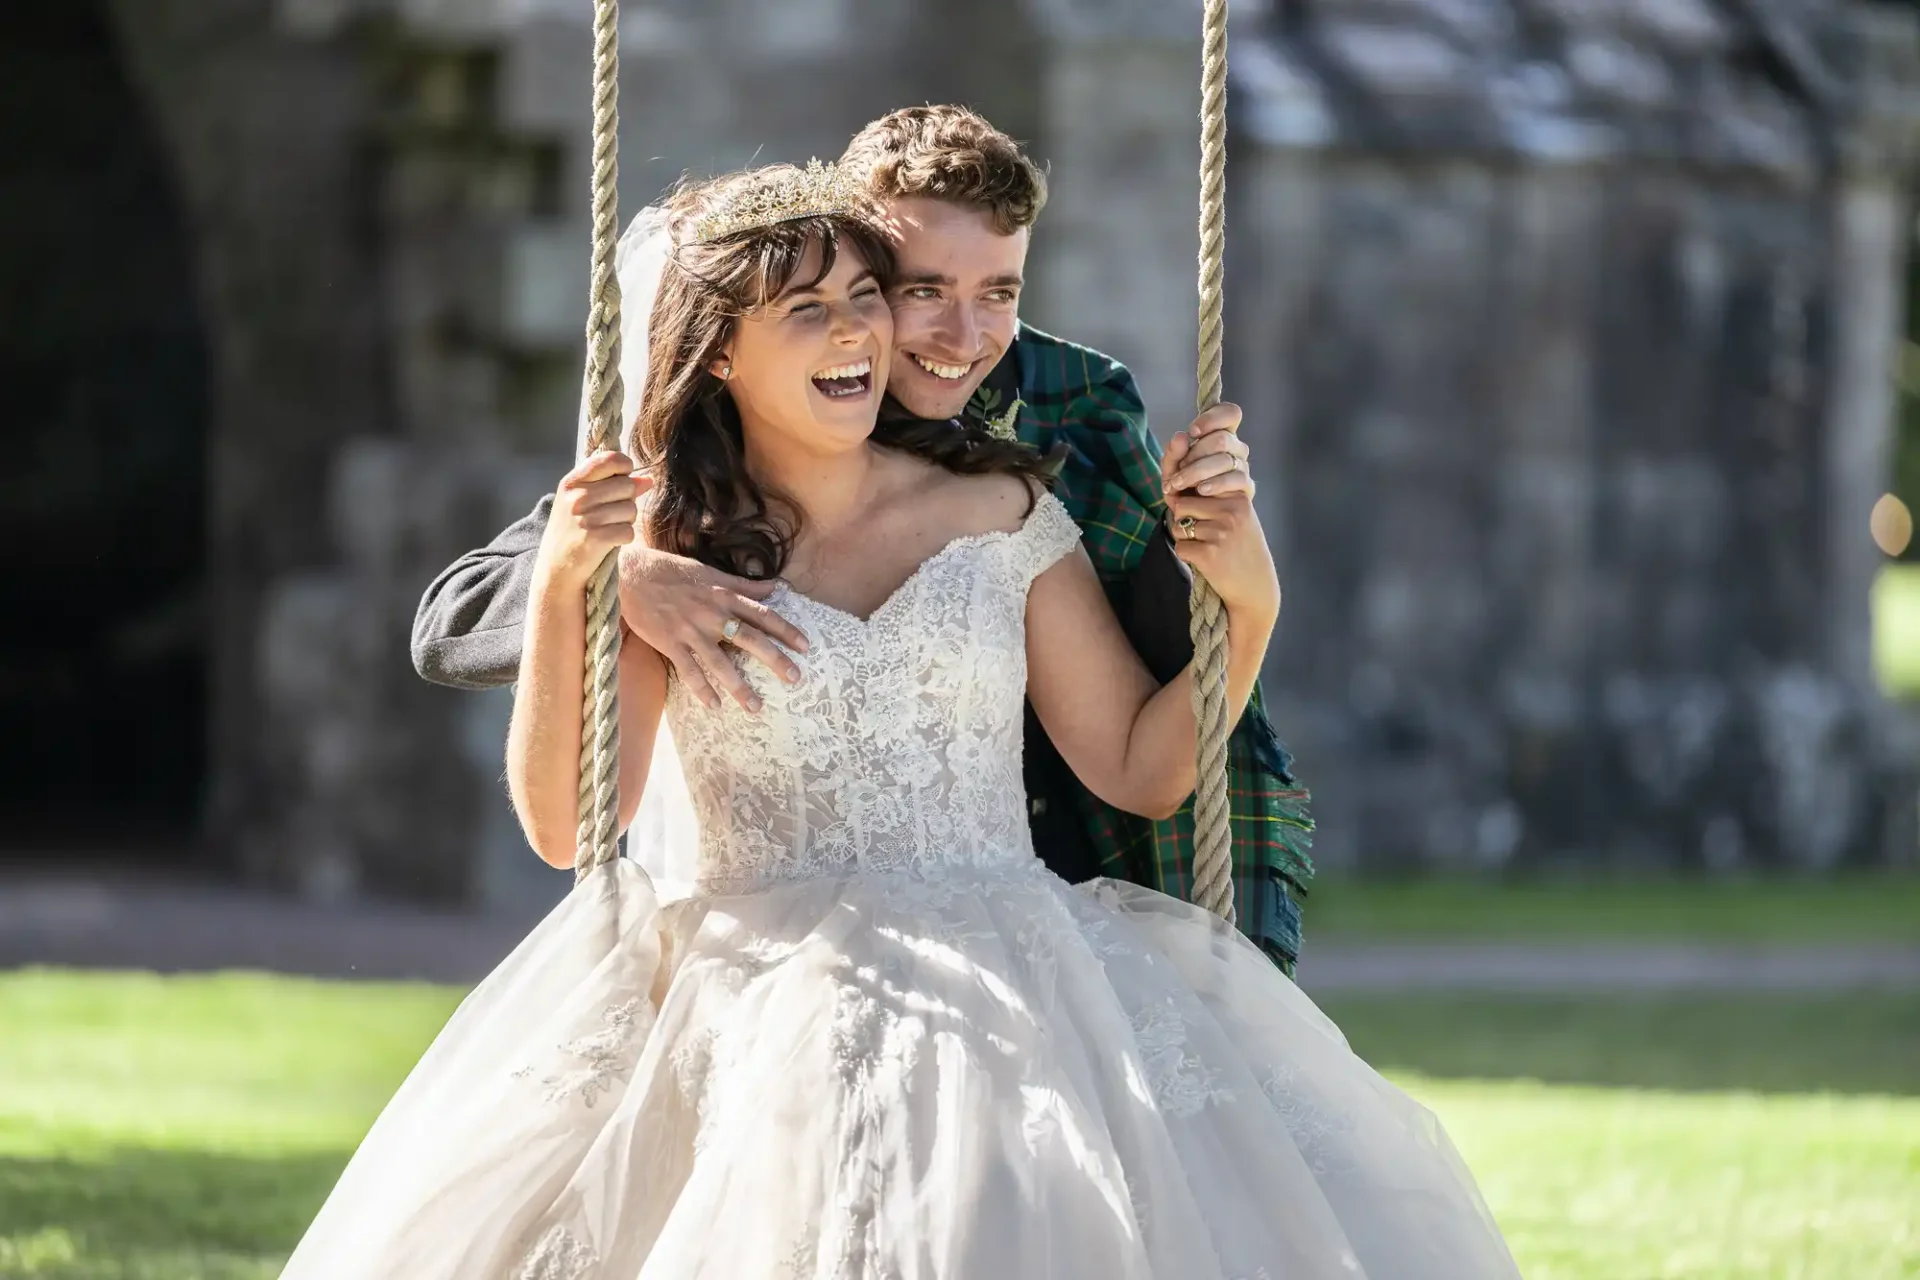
(879,1041)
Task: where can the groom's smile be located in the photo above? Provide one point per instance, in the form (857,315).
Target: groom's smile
(956,301)
(945,372)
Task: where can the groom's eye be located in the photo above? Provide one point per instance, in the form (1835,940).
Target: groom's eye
(922,292)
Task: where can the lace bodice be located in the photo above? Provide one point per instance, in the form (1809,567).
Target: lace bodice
(900,748)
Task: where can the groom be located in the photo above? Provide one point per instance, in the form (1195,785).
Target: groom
(962,198)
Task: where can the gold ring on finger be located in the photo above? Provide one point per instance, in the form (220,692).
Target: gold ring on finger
(1186,525)
(728,630)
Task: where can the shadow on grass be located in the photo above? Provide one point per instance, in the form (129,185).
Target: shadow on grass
(1856,1044)
(157,1215)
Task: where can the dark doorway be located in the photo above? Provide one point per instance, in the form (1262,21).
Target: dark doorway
(103,409)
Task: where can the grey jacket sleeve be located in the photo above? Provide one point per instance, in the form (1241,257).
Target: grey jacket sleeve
(467,630)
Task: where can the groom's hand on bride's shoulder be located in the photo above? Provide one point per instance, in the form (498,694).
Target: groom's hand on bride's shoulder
(681,608)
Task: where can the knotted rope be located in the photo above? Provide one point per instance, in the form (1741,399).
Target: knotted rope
(598,839)
(1212,814)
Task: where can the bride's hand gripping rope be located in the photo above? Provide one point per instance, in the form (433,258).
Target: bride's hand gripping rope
(1209,490)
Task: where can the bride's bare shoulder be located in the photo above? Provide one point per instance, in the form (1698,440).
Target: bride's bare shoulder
(995,502)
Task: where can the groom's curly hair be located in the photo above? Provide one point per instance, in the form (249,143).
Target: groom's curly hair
(705,503)
(949,153)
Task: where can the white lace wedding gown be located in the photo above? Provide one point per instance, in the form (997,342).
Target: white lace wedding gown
(882,1042)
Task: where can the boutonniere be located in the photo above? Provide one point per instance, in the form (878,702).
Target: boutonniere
(1003,426)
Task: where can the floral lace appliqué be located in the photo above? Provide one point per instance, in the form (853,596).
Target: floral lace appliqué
(873,1045)
(1097,913)
(692,1063)
(1180,1082)
(558,1255)
(602,1057)
(1316,1130)
(900,747)
(802,1261)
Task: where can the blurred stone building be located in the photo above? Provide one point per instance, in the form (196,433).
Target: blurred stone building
(1564,328)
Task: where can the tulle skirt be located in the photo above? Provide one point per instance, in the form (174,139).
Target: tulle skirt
(975,1075)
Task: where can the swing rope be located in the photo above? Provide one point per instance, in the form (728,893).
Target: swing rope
(597,841)
(1212,814)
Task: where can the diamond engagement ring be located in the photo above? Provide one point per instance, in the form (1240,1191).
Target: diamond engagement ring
(729,630)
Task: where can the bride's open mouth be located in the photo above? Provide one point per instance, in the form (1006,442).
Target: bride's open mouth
(846,381)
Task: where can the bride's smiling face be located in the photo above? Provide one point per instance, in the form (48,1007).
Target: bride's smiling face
(811,365)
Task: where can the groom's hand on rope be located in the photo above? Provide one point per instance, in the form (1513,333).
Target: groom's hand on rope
(1209,491)
(682,608)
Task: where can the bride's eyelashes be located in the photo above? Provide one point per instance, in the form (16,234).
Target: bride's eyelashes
(806,311)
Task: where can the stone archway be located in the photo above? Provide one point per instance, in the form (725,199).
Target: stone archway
(103,357)
(331,765)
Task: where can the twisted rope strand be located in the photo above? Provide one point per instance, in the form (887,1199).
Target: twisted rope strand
(597,841)
(1212,813)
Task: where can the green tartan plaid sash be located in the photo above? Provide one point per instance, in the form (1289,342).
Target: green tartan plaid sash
(1110,482)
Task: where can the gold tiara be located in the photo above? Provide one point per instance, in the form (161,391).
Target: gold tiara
(797,193)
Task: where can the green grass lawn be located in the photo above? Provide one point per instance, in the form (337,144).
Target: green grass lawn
(1896,629)
(175,1128)
(1883,909)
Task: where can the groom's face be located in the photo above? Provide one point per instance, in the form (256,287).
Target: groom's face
(956,304)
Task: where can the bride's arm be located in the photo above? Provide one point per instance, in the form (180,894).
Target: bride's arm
(593,512)
(1131,741)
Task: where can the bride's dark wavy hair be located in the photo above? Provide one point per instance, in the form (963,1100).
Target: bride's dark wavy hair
(705,504)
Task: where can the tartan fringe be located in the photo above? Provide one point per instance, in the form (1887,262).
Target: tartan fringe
(1290,831)
(1288,816)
